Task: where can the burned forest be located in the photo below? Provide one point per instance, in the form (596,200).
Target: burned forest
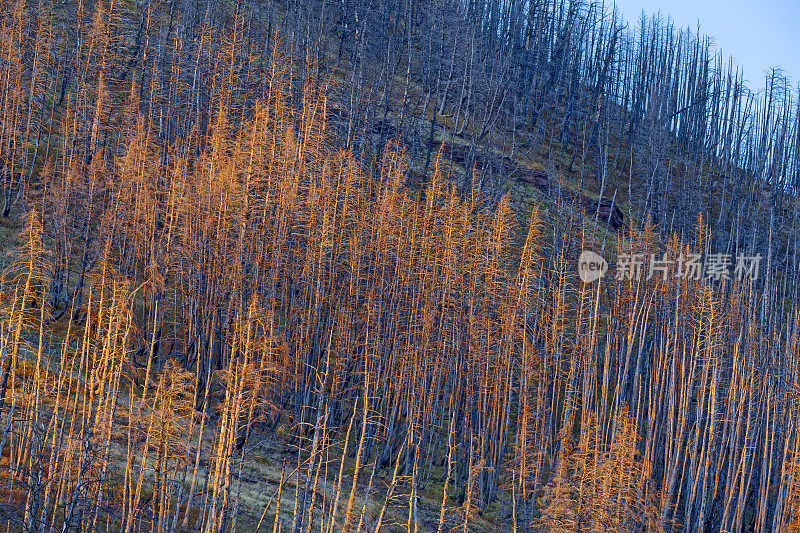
(320,266)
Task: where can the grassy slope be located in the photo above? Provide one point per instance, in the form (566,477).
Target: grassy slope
(261,467)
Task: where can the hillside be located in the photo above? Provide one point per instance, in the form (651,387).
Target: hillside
(315,266)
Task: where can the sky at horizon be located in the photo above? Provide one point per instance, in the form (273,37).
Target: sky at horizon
(758,35)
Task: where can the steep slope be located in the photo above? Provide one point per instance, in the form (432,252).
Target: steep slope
(313,265)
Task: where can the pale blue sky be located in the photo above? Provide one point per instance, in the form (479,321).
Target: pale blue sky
(759,35)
